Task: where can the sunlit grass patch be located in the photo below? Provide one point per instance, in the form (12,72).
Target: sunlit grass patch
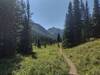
(86,58)
(48,62)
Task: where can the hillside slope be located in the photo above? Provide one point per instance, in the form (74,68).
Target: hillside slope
(38,30)
(86,57)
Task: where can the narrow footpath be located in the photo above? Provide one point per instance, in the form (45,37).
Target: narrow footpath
(71,65)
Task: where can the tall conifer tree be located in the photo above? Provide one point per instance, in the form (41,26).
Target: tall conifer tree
(96,19)
(76,22)
(26,40)
(82,20)
(68,31)
(85,27)
(7,28)
(87,22)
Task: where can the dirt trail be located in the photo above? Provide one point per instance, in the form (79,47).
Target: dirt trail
(73,69)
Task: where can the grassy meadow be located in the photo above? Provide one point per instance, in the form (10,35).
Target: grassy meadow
(45,61)
(48,61)
(86,57)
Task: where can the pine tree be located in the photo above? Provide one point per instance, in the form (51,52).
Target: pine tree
(82,10)
(45,45)
(38,43)
(68,30)
(7,28)
(58,39)
(85,27)
(87,22)
(29,32)
(82,21)
(96,19)
(26,37)
(76,22)
(20,23)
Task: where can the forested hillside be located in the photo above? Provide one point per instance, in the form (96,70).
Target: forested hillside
(80,24)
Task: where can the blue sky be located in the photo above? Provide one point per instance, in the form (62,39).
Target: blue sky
(51,13)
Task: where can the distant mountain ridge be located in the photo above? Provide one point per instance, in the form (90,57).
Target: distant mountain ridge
(38,30)
(54,31)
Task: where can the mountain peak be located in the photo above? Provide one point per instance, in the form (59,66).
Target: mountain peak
(54,31)
(54,28)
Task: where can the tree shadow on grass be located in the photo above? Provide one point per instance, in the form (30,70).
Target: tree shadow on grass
(32,54)
(7,66)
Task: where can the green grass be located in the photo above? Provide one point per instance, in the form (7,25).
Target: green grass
(48,62)
(86,58)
